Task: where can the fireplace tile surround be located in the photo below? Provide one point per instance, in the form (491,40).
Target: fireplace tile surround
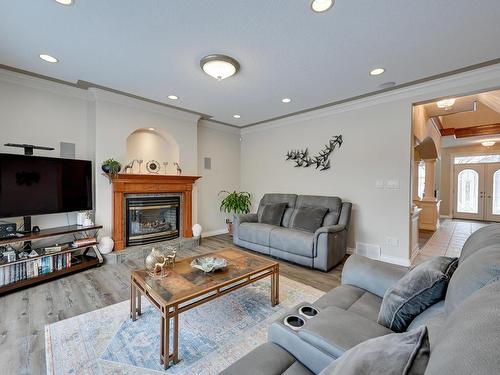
(134,184)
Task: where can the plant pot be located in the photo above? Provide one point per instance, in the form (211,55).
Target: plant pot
(106,168)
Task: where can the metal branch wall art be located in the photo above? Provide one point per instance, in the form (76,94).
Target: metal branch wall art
(320,160)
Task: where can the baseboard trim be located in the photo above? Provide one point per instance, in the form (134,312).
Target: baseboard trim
(214,232)
(445,216)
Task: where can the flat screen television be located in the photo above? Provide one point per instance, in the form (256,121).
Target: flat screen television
(34,185)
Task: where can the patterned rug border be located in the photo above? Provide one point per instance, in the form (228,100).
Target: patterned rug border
(50,366)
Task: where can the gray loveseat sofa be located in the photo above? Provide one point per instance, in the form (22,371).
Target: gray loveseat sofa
(463,329)
(322,249)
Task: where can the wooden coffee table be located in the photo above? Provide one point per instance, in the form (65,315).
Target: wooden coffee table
(185,287)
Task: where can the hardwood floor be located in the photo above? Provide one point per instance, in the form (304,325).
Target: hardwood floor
(24,314)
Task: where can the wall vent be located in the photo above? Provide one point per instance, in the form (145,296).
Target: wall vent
(368,250)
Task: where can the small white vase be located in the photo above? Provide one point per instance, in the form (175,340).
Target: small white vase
(106,245)
(197,230)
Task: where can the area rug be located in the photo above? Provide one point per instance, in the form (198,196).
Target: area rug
(212,336)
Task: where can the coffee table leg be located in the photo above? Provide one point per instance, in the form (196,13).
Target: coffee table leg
(133,300)
(166,340)
(176,337)
(139,311)
(275,286)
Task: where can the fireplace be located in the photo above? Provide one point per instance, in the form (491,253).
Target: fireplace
(151,218)
(136,185)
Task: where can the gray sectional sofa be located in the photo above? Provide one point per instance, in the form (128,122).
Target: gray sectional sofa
(322,249)
(463,329)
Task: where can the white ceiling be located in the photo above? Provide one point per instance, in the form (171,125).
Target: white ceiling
(152,48)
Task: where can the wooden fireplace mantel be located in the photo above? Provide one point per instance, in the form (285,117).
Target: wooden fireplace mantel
(144,184)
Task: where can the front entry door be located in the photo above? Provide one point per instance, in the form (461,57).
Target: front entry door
(492,191)
(477,191)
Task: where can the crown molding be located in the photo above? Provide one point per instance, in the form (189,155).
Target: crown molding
(487,78)
(100,95)
(19,77)
(219,126)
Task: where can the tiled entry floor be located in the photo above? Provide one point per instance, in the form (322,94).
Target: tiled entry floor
(449,238)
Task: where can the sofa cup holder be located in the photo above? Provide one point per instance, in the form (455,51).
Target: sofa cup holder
(294,322)
(308,312)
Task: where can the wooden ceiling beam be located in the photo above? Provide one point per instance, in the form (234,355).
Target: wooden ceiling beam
(473,131)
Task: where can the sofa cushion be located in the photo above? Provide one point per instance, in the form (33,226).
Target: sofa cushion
(483,237)
(267,359)
(333,204)
(258,233)
(336,330)
(273,213)
(293,241)
(352,299)
(472,274)
(468,343)
(308,219)
(290,199)
(395,354)
(420,288)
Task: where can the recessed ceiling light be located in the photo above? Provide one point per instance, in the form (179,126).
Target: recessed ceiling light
(446,104)
(65,2)
(488,143)
(152,129)
(286,100)
(219,66)
(48,58)
(377,71)
(319,6)
(236,116)
(173,97)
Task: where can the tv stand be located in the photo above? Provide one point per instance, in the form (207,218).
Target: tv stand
(80,258)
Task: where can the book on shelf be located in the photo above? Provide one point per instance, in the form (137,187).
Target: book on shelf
(33,268)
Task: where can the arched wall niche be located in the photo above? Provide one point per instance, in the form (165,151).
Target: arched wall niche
(152,144)
(426,150)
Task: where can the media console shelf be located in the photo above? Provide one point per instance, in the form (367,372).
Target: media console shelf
(21,273)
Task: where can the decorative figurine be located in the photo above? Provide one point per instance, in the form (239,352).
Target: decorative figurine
(179,170)
(170,259)
(165,164)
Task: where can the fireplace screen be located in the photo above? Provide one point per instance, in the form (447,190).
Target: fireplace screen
(152,219)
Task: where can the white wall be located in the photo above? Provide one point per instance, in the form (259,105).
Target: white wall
(116,118)
(43,113)
(222,145)
(377,142)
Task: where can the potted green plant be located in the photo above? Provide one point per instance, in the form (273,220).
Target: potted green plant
(111,167)
(235,202)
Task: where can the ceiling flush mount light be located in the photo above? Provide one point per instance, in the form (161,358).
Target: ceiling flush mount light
(236,116)
(219,66)
(320,6)
(65,2)
(173,97)
(488,143)
(48,58)
(446,104)
(286,100)
(377,71)
(151,129)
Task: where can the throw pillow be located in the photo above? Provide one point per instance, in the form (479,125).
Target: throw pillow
(394,354)
(273,213)
(308,218)
(420,288)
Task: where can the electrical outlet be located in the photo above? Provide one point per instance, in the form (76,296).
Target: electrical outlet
(392,184)
(392,241)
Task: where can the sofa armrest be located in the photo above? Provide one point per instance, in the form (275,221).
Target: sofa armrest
(330,244)
(371,275)
(244,218)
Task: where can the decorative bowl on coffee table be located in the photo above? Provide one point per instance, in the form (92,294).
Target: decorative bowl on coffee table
(209,264)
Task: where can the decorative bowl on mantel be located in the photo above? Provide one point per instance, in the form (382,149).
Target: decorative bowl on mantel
(209,264)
